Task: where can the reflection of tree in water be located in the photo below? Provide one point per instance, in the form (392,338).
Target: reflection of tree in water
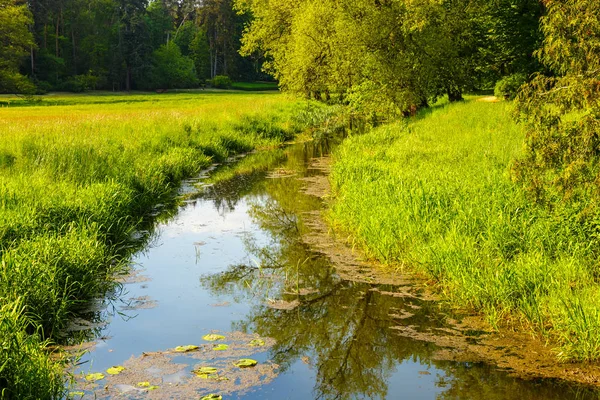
(342,328)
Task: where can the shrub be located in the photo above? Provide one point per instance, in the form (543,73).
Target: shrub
(508,87)
(170,69)
(221,82)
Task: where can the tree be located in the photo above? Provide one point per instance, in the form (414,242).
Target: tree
(561,110)
(16,42)
(134,39)
(170,69)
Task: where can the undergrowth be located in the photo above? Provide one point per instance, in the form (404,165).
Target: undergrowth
(435,194)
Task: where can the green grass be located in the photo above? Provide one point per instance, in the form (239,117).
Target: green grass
(78,175)
(434,194)
(255,86)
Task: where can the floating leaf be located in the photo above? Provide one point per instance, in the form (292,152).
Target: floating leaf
(143,384)
(185,349)
(205,372)
(213,337)
(221,347)
(153,387)
(94,377)
(245,363)
(76,394)
(212,396)
(115,370)
(257,343)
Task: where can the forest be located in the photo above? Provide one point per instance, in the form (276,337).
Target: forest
(77,45)
(467,153)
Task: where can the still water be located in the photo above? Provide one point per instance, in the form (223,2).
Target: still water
(231,261)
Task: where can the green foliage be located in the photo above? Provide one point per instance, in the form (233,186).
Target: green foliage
(221,82)
(390,58)
(561,113)
(26,369)
(16,42)
(434,194)
(508,87)
(170,69)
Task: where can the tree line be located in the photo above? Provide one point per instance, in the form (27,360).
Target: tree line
(393,55)
(75,45)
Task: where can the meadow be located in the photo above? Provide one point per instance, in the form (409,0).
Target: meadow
(79,174)
(435,194)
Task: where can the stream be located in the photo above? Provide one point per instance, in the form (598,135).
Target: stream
(231,261)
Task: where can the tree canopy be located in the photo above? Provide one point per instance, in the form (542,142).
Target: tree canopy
(116,44)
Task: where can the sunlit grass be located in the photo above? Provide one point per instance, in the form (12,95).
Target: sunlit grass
(78,174)
(434,194)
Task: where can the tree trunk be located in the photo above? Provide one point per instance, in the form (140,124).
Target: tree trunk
(128,79)
(74,53)
(32,62)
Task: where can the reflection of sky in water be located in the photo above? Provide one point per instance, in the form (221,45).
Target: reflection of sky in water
(199,240)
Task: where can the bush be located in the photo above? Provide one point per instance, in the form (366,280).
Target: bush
(221,82)
(42,87)
(171,69)
(508,87)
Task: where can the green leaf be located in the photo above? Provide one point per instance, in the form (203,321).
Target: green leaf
(212,396)
(221,347)
(245,363)
(143,384)
(212,337)
(115,370)
(94,377)
(76,394)
(257,343)
(185,349)
(153,387)
(206,372)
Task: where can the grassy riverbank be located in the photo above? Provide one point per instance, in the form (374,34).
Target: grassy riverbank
(435,194)
(78,175)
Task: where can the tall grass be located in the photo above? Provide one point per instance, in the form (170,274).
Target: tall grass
(435,194)
(77,178)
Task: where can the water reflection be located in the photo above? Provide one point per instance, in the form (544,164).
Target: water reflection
(341,329)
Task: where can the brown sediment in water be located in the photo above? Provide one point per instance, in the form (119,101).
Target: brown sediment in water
(171,372)
(463,339)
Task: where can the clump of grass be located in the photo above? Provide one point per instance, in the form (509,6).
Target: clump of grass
(435,194)
(26,369)
(79,176)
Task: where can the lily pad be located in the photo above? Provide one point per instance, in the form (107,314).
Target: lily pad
(213,337)
(185,349)
(256,343)
(94,377)
(221,347)
(143,384)
(212,396)
(205,372)
(245,363)
(153,387)
(115,370)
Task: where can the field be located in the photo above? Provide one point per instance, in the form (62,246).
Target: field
(435,194)
(79,174)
